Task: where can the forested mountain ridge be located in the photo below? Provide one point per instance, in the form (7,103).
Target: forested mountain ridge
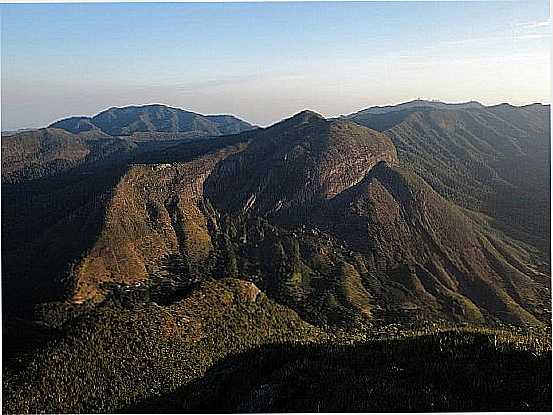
(47,152)
(492,159)
(155,118)
(414,104)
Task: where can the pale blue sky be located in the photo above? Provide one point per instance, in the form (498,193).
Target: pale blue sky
(265,61)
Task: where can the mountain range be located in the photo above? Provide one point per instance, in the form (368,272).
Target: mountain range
(409,214)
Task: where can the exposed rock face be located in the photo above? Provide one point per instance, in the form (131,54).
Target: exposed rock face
(249,292)
(155,212)
(297,163)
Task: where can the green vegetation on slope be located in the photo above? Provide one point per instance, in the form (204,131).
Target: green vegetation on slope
(491,159)
(154,118)
(110,357)
(226,347)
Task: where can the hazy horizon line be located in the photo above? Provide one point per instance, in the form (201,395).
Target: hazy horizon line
(284,116)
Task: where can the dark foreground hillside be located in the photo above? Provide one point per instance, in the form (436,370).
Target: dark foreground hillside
(444,371)
(108,357)
(226,347)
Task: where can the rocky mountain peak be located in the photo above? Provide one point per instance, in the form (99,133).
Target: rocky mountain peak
(307,116)
(297,162)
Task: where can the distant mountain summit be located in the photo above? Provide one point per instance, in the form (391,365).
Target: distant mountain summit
(418,103)
(126,121)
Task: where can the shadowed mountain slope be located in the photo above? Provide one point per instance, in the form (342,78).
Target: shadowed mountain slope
(444,371)
(226,347)
(437,255)
(49,151)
